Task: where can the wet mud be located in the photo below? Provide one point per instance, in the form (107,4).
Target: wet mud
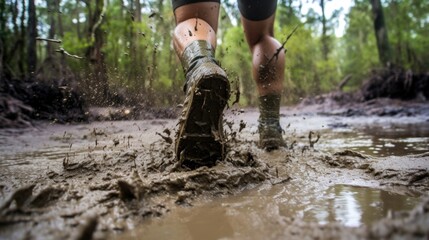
(22,102)
(121,180)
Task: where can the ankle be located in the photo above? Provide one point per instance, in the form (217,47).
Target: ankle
(269,108)
(195,53)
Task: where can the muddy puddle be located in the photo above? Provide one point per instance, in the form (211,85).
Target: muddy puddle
(390,140)
(119,180)
(259,213)
(252,213)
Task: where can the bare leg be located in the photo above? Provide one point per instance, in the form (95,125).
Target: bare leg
(197,21)
(200,140)
(263,45)
(268,73)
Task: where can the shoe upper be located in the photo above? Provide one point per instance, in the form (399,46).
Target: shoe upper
(270,134)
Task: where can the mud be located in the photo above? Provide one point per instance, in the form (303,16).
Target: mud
(22,102)
(396,83)
(115,179)
(390,91)
(242,216)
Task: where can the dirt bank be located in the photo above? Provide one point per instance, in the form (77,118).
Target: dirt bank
(22,102)
(390,91)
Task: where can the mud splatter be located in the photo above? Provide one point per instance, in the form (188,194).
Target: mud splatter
(138,179)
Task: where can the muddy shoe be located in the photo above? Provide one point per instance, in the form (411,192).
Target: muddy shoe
(200,140)
(270,132)
(270,136)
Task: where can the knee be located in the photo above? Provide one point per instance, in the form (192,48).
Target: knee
(259,41)
(266,44)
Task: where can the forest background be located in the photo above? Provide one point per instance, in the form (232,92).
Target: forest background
(120,51)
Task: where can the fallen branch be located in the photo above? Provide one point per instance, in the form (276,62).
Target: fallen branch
(62,51)
(343,82)
(48,40)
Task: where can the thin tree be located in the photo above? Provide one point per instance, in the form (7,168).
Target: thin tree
(21,37)
(31,43)
(2,33)
(153,73)
(51,34)
(76,13)
(325,38)
(2,80)
(94,53)
(381,33)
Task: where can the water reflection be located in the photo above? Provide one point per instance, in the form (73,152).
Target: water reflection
(394,140)
(354,206)
(256,214)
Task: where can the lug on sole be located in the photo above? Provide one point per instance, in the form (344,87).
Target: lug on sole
(200,140)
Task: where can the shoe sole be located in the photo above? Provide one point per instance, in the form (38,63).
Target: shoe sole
(200,137)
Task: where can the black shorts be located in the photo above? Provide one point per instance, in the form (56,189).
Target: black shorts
(255,10)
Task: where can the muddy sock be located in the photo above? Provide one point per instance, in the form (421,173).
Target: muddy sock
(195,54)
(269,108)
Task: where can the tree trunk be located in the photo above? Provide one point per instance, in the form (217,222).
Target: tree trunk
(51,34)
(2,31)
(21,42)
(76,12)
(14,11)
(95,54)
(59,19)
(154,69)
(54,68)
(17,42)
(138,11)
(32,34)
(2,80)
(65,70)
(139,57)
(325,43)
(132,72)
(381,33)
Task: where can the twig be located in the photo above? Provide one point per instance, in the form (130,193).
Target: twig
(62,51)
(166,138)
(276,55)
(311,141)
(237,92)
(48,40)
(344,82)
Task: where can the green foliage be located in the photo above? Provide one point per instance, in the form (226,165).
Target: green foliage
(358,48)
(234,55)
(307,72)
(408,27)
(141,62)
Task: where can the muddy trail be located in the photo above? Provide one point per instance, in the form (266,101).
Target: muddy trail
(339,177)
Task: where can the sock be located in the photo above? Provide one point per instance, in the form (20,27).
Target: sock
(269,108)
(196,53)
